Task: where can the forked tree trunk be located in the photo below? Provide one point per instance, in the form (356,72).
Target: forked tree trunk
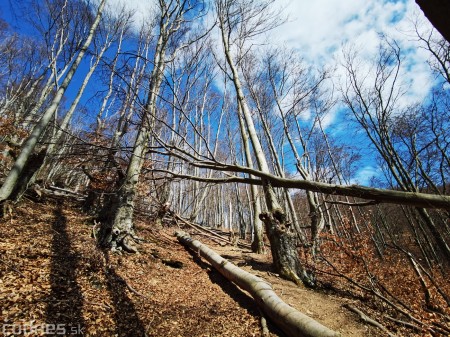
(120,233)
(122,230)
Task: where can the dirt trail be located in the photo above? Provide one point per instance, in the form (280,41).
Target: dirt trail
(325,308)
(51,272)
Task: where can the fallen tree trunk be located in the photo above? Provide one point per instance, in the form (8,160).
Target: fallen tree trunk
(379,195)
(291,321)
(200,228)
(65,190)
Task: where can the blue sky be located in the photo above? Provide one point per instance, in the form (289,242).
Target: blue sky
(319,29)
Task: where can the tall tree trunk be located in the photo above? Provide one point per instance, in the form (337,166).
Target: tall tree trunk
(121,232)
(16,171)
(284,251)
(258,238)
(68,116)
(315,213)
(279,167)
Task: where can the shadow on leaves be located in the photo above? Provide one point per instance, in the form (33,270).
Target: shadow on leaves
(64,311)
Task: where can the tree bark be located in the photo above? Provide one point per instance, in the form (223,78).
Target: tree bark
(291,321)
(16,171)
(121,233)
(378,195)
(290,204)
(287,263)
(122,227)
(28,174)
(284,251)
(258,236)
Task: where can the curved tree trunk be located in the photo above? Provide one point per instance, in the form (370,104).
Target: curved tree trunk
(120,233)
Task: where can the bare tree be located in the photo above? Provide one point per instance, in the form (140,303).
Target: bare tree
(13,177)
(238,22)
(375,106)
(293,87)
(171,21)
(263,101)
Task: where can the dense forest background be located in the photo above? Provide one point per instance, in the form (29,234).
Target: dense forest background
(194,114)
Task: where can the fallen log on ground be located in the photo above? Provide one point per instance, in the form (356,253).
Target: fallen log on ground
(57,192)
(291,321)
(368,320)
(206,230)
(200,228)
(67,191)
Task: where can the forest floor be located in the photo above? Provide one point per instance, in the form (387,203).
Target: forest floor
(55,281)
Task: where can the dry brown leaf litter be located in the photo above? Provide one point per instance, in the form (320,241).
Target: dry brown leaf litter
(52,275)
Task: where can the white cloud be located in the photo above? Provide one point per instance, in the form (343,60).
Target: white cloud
(365,175)
(319,29)
(142,11)
(322,26)
(329,118)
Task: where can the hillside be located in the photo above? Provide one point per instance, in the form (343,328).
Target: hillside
(312,153)
(53,273)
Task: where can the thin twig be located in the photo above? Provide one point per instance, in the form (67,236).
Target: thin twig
(367,319)
(134,290)
(12,268)
(407,324)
